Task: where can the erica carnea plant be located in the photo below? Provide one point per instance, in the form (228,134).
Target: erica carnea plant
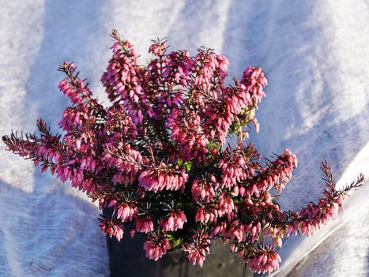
(156,160)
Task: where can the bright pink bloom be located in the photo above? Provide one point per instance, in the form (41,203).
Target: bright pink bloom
(158,48)
(237,231)
(254,81)
(203,190)
(221,229)
(144,224)
(163,177)
(174,221)
(265,261)
(109,225)
(225,204)
(126,212)
(156,247)
(206,214)
(197,250)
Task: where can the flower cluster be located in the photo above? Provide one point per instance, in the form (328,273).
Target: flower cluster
(154,159)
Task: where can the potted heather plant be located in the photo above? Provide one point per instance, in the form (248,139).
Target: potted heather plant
(156,161)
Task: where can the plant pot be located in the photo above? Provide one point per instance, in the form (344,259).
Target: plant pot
(127,258)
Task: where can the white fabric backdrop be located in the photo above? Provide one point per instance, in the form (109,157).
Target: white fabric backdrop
(315,55)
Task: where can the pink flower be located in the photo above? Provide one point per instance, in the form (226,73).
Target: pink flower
(163,177)
(221,229)
(278,173)
(254,228)
(234,168)
(126,211)
(187,131)
(174,221)
(203,190)
(205,214)
(225,204)
(123,158)
(237,231)
(197,250)
(156,247)
(254,81)
(109,225)
(265,261)
(144,224)
(158,48)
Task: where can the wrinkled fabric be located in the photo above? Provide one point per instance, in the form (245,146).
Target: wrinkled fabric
(315,56)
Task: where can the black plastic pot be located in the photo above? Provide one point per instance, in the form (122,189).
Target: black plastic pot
(127,258)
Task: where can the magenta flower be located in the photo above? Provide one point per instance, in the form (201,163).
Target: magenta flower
(265,261)
(126,212)
(156,247)
(111,226)
(144,224)
(174,221)
(198,248)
